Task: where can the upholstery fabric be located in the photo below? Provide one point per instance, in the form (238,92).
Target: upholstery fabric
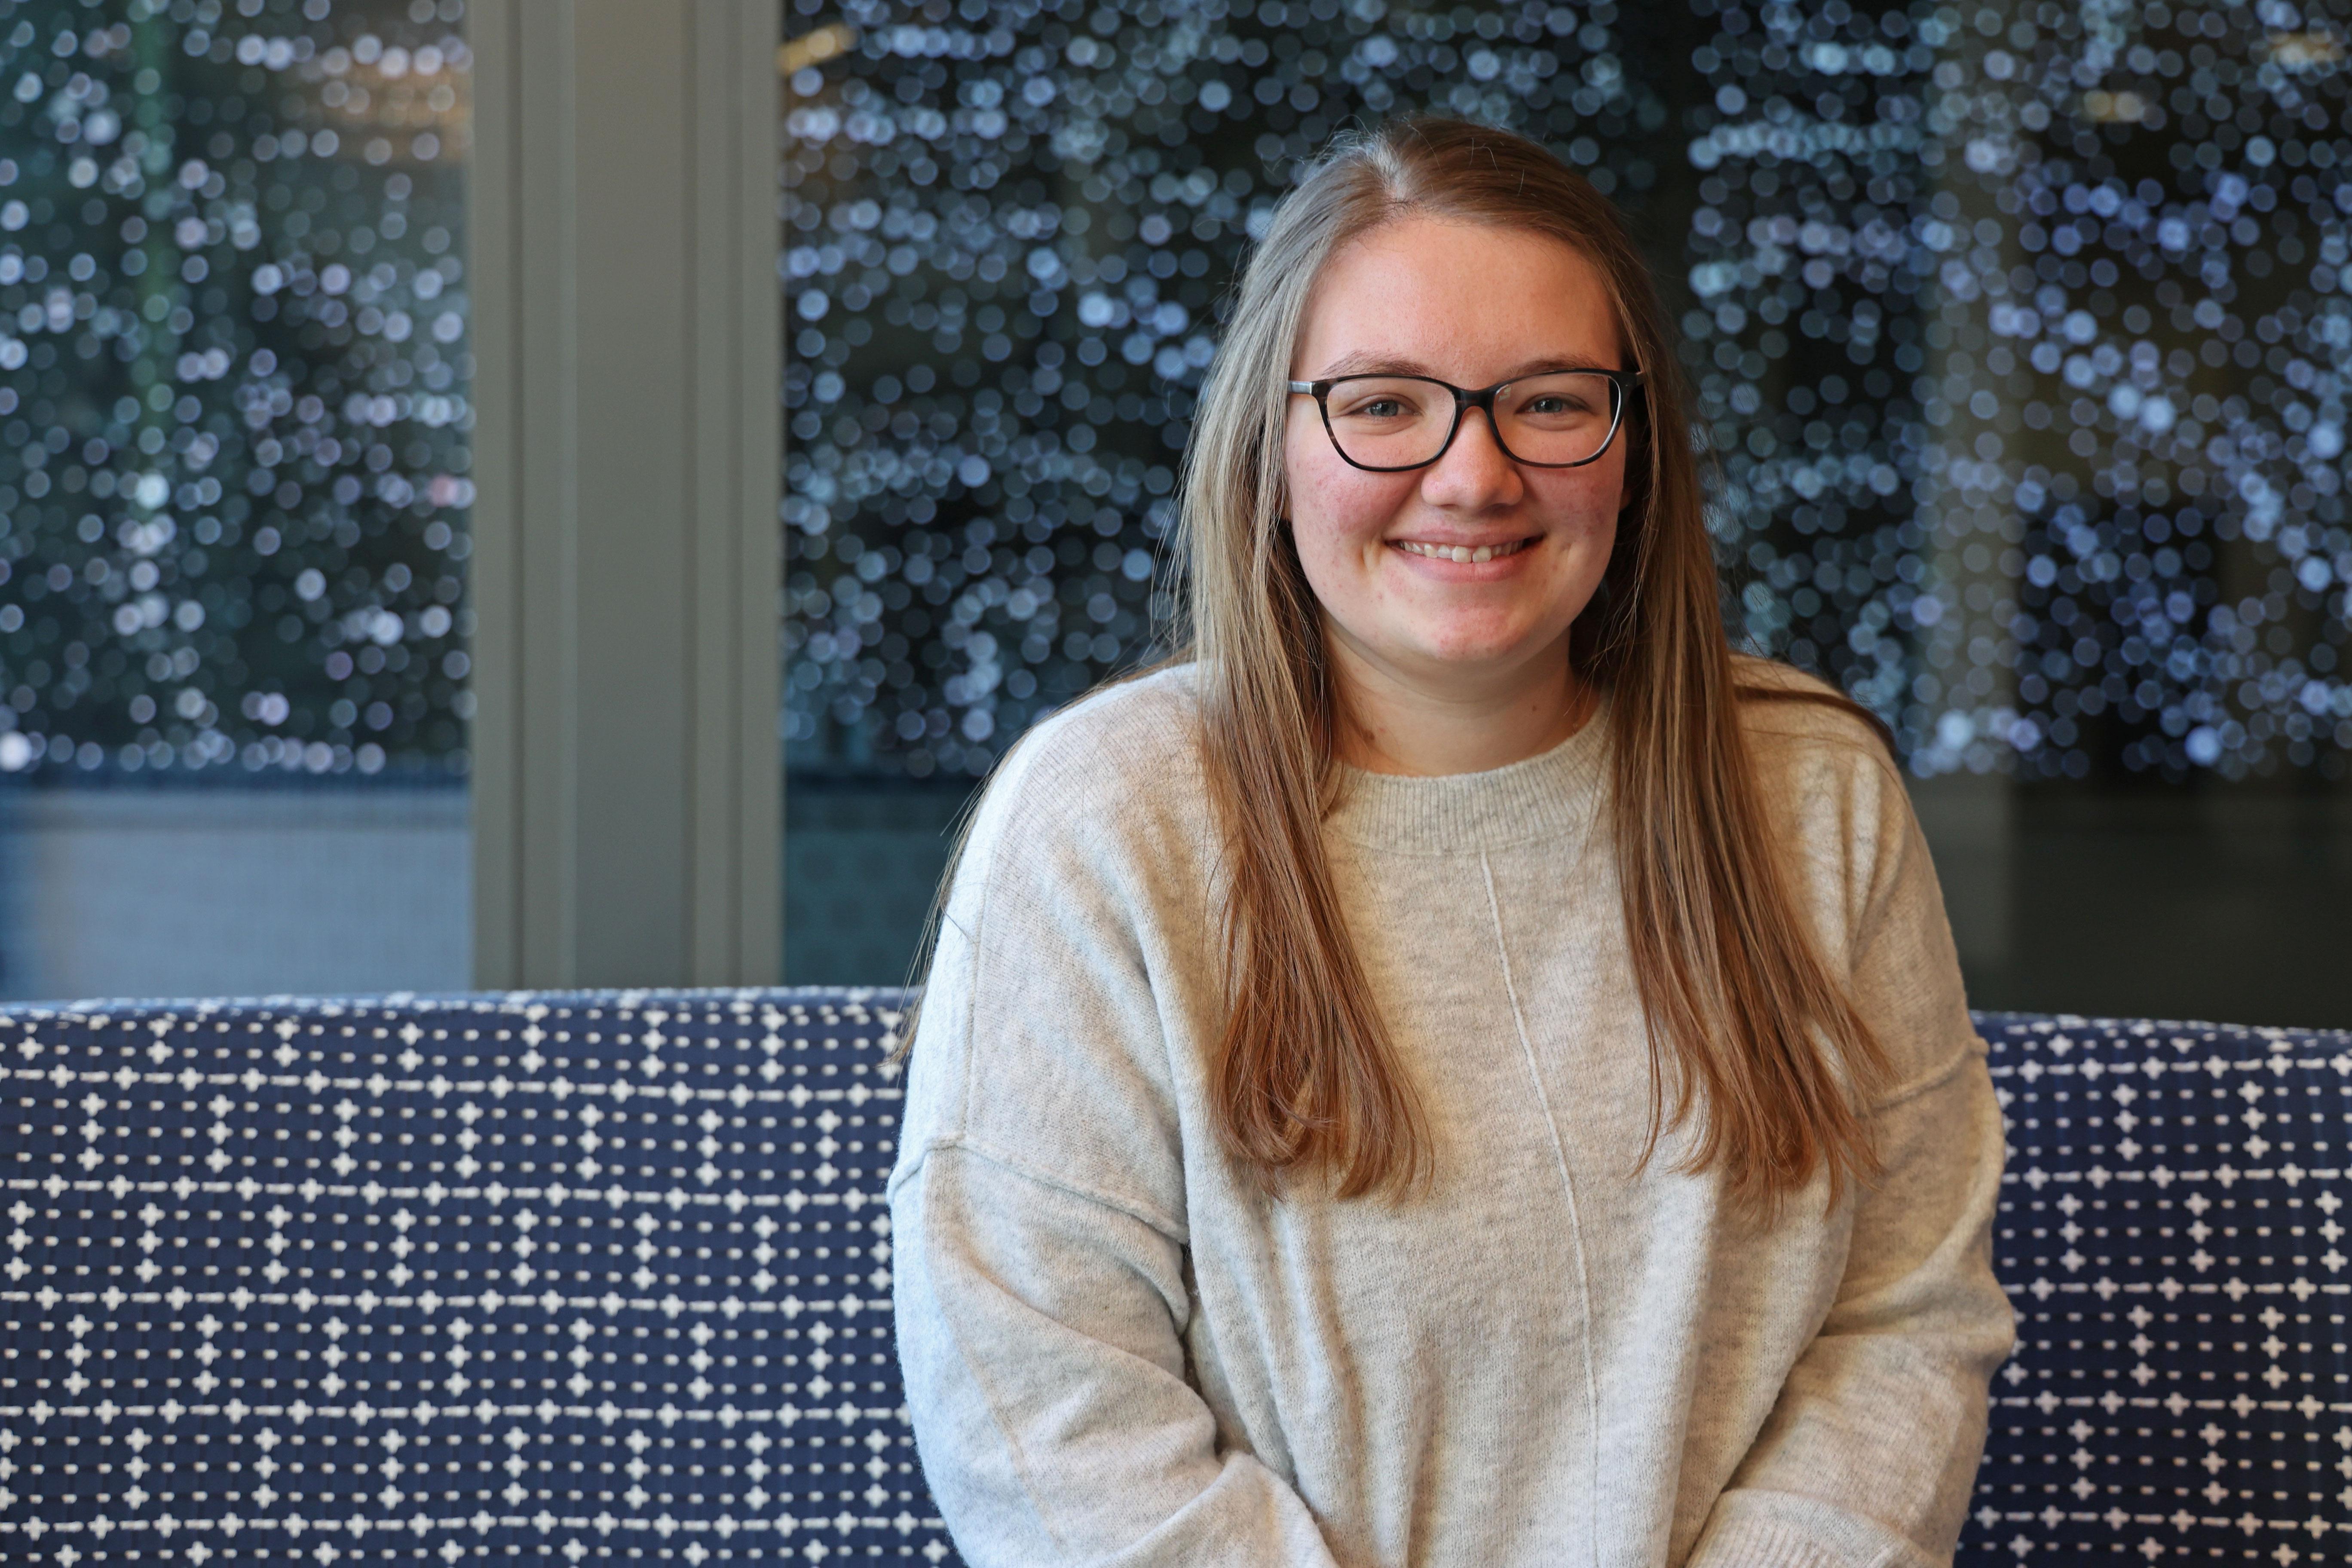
(604,1275)
(2172,1237)
(403,1279)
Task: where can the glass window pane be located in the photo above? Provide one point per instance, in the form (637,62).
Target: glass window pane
(233,496)
(2020,350)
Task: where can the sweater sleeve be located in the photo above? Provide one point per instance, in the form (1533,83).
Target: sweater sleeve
(1037,1334)
(1870,1454)
(1037,1216)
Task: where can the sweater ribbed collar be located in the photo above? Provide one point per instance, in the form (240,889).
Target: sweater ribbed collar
(1549,795)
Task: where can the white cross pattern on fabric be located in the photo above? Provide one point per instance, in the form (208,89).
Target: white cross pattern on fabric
(603,1274)
(2173,1236)
(585,1275)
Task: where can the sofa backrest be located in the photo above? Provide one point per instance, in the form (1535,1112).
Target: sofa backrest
(551,1273)
(578,1271)
(2172,1236)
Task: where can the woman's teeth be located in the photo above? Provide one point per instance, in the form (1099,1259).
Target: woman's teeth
(1461,551)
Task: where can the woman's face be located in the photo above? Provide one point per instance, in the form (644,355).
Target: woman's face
(1472,305)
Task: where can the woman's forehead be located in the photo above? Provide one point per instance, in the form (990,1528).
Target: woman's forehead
(1458,294)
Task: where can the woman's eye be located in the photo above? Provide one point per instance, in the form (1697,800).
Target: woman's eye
(1376,408)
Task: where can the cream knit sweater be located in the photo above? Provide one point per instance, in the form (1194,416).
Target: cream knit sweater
(1115,1354)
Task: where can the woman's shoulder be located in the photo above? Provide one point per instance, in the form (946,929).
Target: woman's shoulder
(1816,749)
(1125,731)
(1120,759)
(1783,709)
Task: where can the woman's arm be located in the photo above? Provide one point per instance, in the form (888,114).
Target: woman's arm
(1869,1457)
(1038,1214)
(1038,1332)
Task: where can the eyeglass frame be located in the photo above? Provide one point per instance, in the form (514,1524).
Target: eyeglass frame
(1623,383)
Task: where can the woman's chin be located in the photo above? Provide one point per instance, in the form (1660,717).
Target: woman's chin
(1471,655)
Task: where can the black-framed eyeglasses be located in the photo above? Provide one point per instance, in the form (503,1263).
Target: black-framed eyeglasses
(1388,423)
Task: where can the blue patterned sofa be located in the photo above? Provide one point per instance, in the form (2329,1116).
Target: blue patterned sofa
(608,1274)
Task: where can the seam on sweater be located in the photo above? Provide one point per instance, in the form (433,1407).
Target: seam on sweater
(1910,844)
(913,1164)
(970,999)
(995,847)
(1575,1224)
(1935,1078)
(1142,1213)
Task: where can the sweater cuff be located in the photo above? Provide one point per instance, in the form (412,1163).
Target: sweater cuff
(1757,1529)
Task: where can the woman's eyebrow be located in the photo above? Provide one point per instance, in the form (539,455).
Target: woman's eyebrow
(1368,363)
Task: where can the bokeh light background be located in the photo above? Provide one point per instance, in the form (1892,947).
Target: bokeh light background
(2017,333)
(233,387)
(2018,336)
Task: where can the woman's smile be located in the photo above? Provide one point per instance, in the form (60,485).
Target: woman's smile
(1451,554)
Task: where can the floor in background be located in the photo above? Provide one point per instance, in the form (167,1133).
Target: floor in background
(217,891)
(2231,906)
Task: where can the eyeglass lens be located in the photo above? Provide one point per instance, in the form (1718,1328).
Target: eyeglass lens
(1395,422)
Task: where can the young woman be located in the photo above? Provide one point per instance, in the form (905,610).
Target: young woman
(1461,1070)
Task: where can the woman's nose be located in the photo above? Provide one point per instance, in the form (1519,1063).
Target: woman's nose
(1474,473)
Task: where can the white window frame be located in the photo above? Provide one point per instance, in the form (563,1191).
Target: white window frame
(627,784)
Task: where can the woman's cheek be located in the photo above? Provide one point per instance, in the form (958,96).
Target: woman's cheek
(1588,500)
(1338,511)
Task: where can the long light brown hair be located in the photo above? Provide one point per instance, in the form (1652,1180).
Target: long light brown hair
(1749,1033)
